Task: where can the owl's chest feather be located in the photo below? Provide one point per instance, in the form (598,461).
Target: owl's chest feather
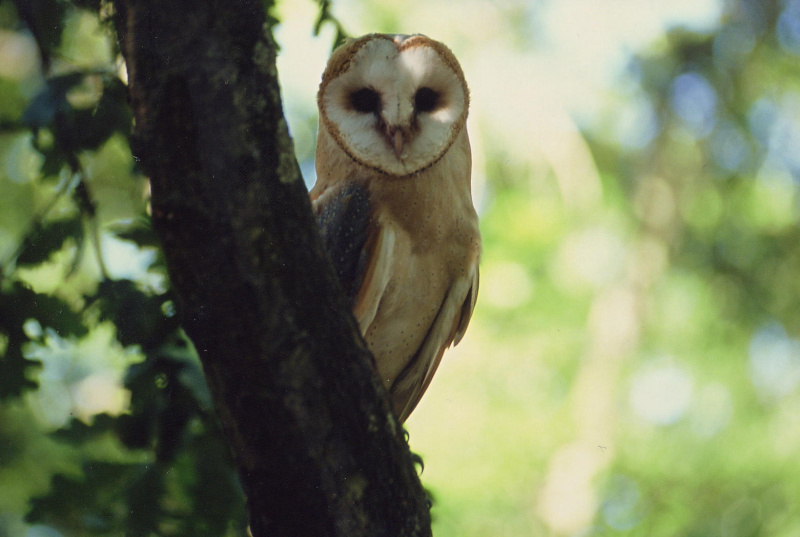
(434,206)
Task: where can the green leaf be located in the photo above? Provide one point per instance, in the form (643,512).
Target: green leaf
(79,432)
(42,242)
(77,129)
(88,505)
(140,232)
(17,305)
(21,303)
(51,101)
(91,128)
(13,368)
(325,16)
(11,105)
(216,492)
(139,316)
(45,19)
(161,406)
(145,500)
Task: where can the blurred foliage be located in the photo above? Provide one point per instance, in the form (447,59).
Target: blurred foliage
(327,17)
(106,423)
(633,367)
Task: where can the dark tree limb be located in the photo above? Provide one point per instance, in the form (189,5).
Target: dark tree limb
(312,433)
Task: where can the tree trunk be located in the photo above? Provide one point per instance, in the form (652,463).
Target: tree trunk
(317,446)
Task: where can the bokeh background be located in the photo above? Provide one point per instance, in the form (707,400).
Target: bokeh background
(633,364)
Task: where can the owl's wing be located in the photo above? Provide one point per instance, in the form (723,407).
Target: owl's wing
(468,307)
(361,250)
(343,216)
(448,327)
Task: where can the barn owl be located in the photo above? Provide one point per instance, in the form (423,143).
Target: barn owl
(393,201)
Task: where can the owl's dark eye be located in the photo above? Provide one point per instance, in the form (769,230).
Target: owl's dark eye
(366,100)
(426,100)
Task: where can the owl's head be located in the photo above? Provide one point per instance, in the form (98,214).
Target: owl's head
(393,103)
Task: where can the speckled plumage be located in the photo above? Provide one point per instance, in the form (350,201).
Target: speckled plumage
(394,204)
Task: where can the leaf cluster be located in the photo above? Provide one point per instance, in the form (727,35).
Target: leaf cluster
(156,464)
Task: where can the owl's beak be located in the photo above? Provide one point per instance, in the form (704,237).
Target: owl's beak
(397,144)
(396,138)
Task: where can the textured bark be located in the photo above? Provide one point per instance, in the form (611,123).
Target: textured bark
(311,429)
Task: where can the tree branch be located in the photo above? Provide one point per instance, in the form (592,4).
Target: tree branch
(317,446)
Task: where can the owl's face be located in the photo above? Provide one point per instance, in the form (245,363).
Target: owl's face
(394,104)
